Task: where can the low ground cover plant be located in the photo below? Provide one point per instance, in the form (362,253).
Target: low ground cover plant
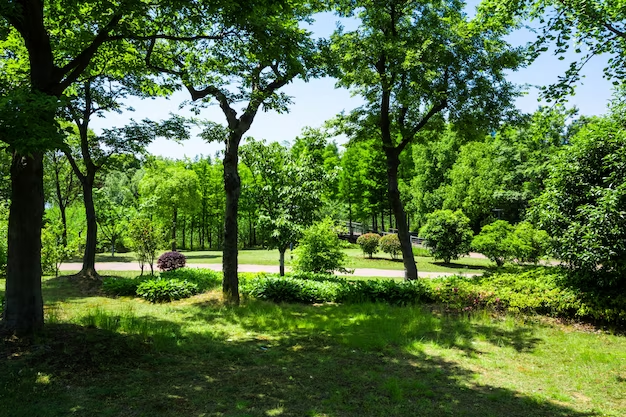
(168,286)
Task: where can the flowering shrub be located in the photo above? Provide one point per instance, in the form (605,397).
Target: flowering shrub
(369,243)
(170,261)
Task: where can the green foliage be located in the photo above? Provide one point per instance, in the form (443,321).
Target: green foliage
(543,290)
(120,286)
(165,290)
(145,239)
(495,241)
(369,243)
(447,234)
(205,279)
(531,244)
(390,244)
(53,250)
(170,261)
(332,289)
(4,224)
(319,249)
(584,203)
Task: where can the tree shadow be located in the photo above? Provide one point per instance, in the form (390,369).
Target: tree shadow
(326,370)
(202,256)
(460,265)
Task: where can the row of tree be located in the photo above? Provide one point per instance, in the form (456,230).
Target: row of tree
(417,65)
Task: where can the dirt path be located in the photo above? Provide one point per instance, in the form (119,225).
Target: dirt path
(359,272)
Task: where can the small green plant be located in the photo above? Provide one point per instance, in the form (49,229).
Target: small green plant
(120,286)
(164,290)
(447,234)
(319,250)
(390,244)
(530,244)
(205,279)
(369,243)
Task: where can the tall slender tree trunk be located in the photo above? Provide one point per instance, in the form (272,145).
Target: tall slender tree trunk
(174,225)
(393,162)
(191,235)
(232,187)
(184,222)
(24,303)
(281,262)
(89,257)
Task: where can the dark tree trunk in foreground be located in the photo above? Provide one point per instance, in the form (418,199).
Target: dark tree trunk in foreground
(91,242)
(232,187)
(393,161)
(24,303)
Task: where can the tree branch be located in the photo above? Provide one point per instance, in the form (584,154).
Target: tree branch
(433,111)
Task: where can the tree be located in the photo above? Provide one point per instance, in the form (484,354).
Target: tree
(496,242)
(447,234)
(259,51)
(369,243)
(591,27)
(584,203)
(51,45)
(288,189)
(170,188)
(413,67)
(145,239)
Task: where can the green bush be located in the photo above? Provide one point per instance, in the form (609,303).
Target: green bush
(369,243)
(447,234)
(542,290)
(319,250)
(530,244)
(289,290)
(383,291)
(495,241)
(390,244)
(162,290)
(205,279)
(121,286)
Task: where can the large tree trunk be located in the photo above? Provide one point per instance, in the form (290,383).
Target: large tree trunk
(232,187)
(89,258)
(410,269)
(24,303)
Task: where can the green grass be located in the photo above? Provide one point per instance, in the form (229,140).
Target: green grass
(198,357)
(355,260)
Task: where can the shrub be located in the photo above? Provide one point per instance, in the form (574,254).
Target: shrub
(170,261)
(145,239)
(584,201)
(121,286)
(205,279)
(390,244)
(530,244)
(162,290)
(447,234)
(369,243)
(383,291)
(495,241)
(319,250)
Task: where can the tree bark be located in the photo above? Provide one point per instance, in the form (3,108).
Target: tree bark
(282,261)
(60,199)
(174,218)
(89,257)
(24,303)
(232,187)
(393,162)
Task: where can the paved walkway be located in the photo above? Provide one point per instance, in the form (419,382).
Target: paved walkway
(359,272)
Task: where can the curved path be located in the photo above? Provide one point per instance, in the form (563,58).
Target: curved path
(359,272)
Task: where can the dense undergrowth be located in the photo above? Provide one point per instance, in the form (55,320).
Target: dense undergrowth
(542,290)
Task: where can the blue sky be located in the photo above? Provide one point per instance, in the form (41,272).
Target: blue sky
(319,100)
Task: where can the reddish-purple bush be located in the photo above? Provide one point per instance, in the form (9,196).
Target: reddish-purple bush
(170,261)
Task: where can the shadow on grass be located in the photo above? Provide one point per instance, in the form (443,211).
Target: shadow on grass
(202,256)
(459,265)
(330,367)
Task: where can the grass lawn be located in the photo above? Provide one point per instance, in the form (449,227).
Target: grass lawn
(355,260)
(197,357)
